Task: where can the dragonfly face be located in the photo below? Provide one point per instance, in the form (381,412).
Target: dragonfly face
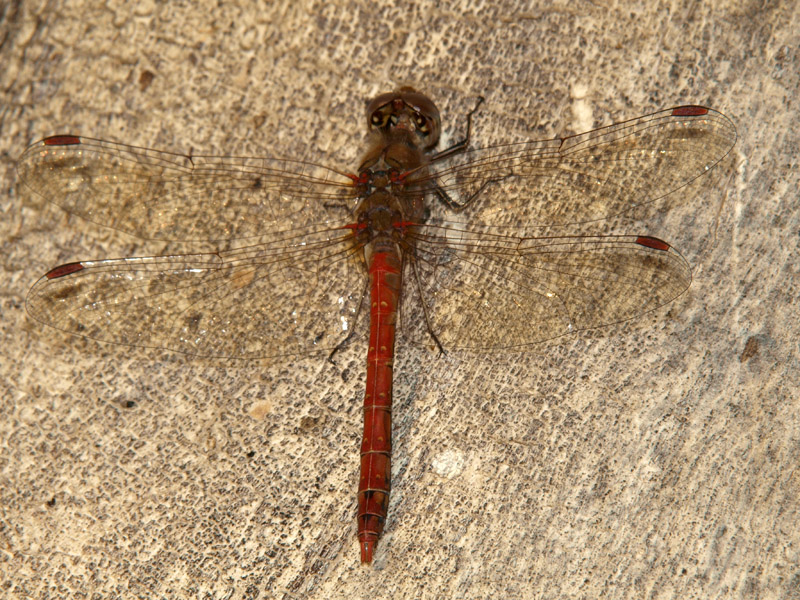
(406,110)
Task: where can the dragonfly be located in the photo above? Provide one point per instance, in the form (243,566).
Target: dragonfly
(489,246)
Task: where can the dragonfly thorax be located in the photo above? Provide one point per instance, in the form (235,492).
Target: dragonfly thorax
(387,179)
(379,213)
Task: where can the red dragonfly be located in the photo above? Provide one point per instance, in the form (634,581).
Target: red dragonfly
(301,246)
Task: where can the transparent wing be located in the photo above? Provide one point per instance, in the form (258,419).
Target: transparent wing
(586,177)
(485,278)
(578,179)
(487,291)
(293,295)
(167,196)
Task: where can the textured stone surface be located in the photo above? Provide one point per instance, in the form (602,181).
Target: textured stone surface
(659,459)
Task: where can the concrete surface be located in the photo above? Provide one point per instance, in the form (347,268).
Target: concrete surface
(656,460)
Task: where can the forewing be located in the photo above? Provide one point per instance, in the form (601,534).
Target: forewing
(294,295)
(484,291)
(586,177)
(167,196)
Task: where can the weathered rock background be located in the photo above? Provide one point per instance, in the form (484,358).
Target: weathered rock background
(657,460)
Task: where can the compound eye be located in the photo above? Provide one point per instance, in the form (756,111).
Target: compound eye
(378,119)
(421,123)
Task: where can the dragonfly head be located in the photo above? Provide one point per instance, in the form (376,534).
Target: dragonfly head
(406,110)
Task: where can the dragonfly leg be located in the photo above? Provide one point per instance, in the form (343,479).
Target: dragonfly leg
(412,260)
(443,196)
(461,145)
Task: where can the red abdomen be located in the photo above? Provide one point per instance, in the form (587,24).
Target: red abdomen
(376,447)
